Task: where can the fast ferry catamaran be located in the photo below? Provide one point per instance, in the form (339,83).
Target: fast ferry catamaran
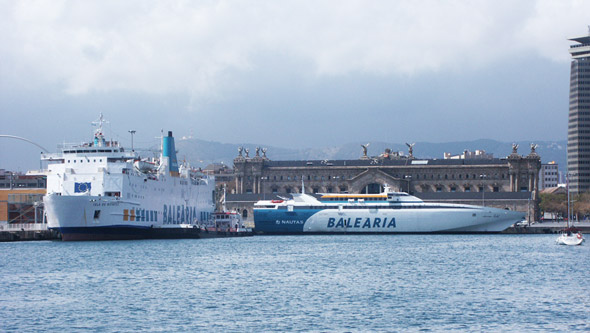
(99,190)
(387,212)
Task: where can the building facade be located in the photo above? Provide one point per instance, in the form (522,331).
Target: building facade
(548,176)
(578,139)
(467,180)
(20,198)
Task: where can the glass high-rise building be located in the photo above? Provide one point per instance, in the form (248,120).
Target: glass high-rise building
(578,136)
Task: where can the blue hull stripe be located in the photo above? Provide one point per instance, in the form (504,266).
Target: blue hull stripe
(281,222)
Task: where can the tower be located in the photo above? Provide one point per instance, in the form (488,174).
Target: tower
(578,136)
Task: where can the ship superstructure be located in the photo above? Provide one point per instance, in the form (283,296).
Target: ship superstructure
(99,190)
(387,212)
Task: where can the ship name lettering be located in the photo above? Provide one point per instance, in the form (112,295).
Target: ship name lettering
(289,221)
(177,214)
(358,223)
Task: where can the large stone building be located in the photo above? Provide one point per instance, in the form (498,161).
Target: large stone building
(578,138)
(511,182)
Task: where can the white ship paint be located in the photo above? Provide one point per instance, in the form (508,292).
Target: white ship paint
(388,212)
(99,190)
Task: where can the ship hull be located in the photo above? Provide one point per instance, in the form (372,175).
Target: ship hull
(446,219)
(98,218)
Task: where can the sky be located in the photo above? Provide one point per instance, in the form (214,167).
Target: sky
(295,74)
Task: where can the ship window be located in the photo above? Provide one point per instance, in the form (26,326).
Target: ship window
(438,189)
(453,189)
(245,213)
(496,189)
(74,161)
(96,214)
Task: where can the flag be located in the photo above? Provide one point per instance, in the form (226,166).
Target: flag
(81,187)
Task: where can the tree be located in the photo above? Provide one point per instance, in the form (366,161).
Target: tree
(553,203)
(582,204)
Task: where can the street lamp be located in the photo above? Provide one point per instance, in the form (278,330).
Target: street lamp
(132,132)
(408,178)
(483,189)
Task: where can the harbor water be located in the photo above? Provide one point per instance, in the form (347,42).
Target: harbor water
(297,283)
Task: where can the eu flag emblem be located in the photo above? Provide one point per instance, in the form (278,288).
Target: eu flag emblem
(81,187)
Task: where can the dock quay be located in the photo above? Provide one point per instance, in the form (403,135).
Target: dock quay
(26,232)
(547,228)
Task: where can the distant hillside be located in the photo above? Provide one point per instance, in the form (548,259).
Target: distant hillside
(201,153)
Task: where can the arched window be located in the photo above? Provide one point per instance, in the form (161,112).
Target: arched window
(372,188)
(245,214)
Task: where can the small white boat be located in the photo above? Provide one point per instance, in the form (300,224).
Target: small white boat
(570,236)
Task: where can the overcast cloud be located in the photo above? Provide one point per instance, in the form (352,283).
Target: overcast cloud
(256,71)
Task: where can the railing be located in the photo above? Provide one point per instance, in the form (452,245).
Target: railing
(23,226)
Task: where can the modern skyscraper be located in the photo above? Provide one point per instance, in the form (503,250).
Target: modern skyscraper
(578,136)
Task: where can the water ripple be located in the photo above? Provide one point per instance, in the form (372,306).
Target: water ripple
(295,283)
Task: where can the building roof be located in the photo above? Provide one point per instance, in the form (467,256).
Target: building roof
(385,162)
(554,190)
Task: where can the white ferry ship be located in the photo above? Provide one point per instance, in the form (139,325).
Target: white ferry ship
(99,190)
(388,212)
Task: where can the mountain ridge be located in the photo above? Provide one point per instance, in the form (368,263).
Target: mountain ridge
(201,153)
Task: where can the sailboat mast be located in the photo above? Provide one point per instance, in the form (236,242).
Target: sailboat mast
(567,187)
